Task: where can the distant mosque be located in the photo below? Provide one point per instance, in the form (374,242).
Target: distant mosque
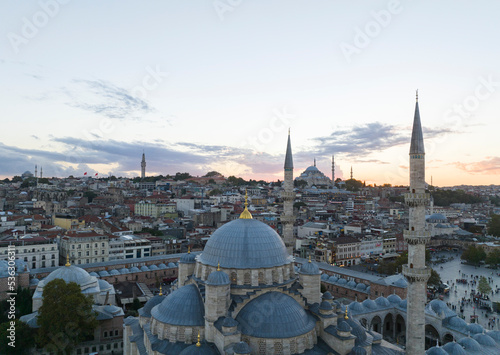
(314,177)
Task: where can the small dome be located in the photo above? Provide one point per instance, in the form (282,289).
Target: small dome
(403,304)
(356,307)
(171,265)
(284,317)
(342,326)
(326,306)
(453,348)
(351,284)
(34,282)
(114,272)
(361,287)
(104,285)
(333,278)
(309,268)
(124,271)
(144,268)
(103,273)
(359,332)
(327,296)
(368,289)
(470,344)
(484,339)
(457,323)
(382,302)
(134,269)
(184,306)
(369,304)
(358,350)
(153,267)
(93,273)
(342,281)
(495,334)
(401,283)
(242,348)
(474,328)
(245,244)
(436,218)
(146,310)
(394,298)
(218,278)
(162,266)
(324,277)
(436,351)
(229,322)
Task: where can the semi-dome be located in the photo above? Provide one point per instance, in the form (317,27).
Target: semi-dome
(309,268)
(69,274)
(453,348)
(218,278)
(184,306)
(152,302)
(245,244)
(284,317)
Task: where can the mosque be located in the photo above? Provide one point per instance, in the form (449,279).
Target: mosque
(314,177)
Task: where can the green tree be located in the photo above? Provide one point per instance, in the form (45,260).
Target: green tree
(493,258)
(65,317)
(473,254)
(353,185)
(90,195)
(435,279)
(212,173)
(181,176)
(24,338)
(494,225)
(17,178)
(215,192)
(300,183)
(483,286)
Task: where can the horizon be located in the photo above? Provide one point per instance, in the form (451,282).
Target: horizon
(200,87)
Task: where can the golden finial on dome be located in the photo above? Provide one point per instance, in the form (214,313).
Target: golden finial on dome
(309,257)
(246,213)
(218,266)
(346,316)
(198,344)
(161,294)
(189,249)
(67,260)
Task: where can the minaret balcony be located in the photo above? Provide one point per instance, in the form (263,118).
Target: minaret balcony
(416,237)
(416,200)
(288,195)
(416,274)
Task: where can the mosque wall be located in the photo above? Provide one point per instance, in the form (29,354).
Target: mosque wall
(284,346)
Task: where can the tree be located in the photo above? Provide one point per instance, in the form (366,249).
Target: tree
(493,258)
(435,279)
(215,192)
(483,286)
(24,338)
(90,195)
(300,183)
(494,225)
(65,317)
(212,173)
(17,178)
(181,176)
(473,254)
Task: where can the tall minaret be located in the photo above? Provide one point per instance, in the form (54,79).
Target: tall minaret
(143,166)
(41,172)
(351,172)
(288,196)
(416,236)
(333,170)
(36,173)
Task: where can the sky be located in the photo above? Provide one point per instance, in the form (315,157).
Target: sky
(88,86)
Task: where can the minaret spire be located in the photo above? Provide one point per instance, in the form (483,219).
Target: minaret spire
(417,138)
(288,197)
(314,161)
(333,170)
(351,173)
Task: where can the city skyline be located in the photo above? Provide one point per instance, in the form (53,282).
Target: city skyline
(216,86)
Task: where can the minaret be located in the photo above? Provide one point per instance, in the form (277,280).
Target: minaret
(36,174)
(351,172)
(143,166)
(333,170)
(41,172)
(288,197)
(416,236)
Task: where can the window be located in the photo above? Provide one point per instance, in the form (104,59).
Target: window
(102,252)
(79,253)
(105,334)
(103,245)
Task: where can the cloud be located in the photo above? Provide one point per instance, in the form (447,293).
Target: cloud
(490,166)
(104,98)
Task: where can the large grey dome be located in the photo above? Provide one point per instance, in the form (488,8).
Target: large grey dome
(146,310)
(245,244)
(71,274)
(274,315)
(184,306)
